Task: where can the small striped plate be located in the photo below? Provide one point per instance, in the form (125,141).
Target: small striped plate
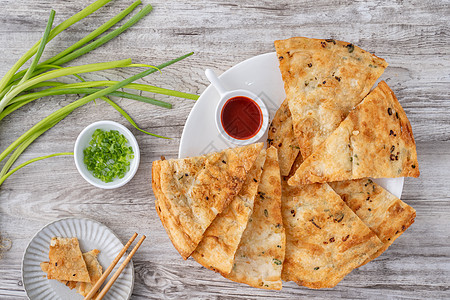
(91,235)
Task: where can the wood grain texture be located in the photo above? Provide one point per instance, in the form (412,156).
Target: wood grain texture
(413,37)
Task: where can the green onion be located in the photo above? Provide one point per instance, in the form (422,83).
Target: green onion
(145,11)
(124,114)
(136,86)
(108,155)
(18,151)
(277,261)
(94,33)
(3,178)
(70,107)
(86,39)
(14,84)
(41,47)
(58,29)
(27,98)
(61,72)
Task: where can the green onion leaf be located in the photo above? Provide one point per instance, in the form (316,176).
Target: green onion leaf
(41,47)
(58,29)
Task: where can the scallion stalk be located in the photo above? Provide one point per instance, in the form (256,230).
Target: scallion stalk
(46,64)
(70,107)
(124,114)
(97,43)
(100,83)
(61,72)
(20,101)
(55,31)
(18,151)
(4,177)
(40,50)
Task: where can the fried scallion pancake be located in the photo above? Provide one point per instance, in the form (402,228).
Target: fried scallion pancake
(281,136)
(220,241)
(259,259)
(325,239)
(66,261)
(95,272)
(190,192)
(375,140)
(324,80)
(382,212)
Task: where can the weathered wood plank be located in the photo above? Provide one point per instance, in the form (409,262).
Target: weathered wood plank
(413,36)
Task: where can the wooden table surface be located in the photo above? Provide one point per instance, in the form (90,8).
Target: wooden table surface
(413,37)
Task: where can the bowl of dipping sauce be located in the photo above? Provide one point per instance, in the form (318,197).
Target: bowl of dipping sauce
(241,117)
(113,146)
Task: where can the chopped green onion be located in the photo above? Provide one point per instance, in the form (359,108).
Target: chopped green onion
(108,155)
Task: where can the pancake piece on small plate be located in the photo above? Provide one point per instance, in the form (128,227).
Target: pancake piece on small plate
(375,140)
(66,261)
(325,239)
(259,259)
(190,192)
(94,268)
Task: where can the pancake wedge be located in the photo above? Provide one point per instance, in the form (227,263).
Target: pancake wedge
(66,261)
(94,269)
(375,140)
(190,192)
(281,136)
(220,241)
(324,80)
(325,239)
(259,259)
(382,212)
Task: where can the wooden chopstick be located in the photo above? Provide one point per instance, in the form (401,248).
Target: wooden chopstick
(119,270)
(110,268)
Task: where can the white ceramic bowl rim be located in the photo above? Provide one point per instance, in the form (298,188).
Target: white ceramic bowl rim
(264,111)
(82,141)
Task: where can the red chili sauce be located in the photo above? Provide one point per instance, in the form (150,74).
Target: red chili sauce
(241,117)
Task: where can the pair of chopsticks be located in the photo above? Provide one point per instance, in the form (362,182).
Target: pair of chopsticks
(111,267)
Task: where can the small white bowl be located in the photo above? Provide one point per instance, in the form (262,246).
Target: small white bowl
(264,115)
(227,95)
(82,143)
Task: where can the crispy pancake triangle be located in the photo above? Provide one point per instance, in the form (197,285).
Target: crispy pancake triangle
(94,269)
(259,259)
(382,212)
(324,80)
(281,136)
(190,192)
(375,140)
(325,239)
(66,261)
(221,240)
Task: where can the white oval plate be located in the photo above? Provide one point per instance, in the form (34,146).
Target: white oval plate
(260,75)
(91,235)
(82,142)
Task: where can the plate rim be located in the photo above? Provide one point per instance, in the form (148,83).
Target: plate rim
(65,219)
